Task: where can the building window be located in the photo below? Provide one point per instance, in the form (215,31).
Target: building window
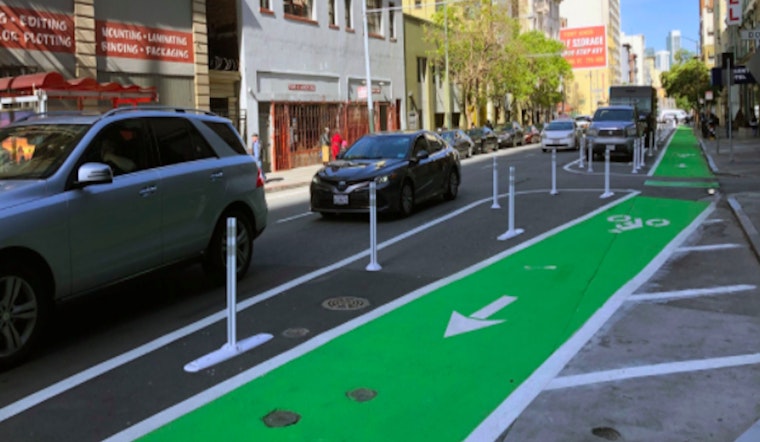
(374,18)
(349,15)
(299,8)
(265,5)
(418,4)
(421,69)
(332,12)
(391,20)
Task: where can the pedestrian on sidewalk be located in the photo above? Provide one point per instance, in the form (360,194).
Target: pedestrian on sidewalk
(324,141)
(753,125)
(256,153)
(336,141)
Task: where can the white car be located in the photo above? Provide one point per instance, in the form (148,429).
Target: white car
(560,134)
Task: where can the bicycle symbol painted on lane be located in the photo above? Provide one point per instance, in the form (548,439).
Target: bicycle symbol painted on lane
(624,223)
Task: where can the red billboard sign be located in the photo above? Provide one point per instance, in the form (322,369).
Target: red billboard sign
(116,39)
(36,30)
(585,47)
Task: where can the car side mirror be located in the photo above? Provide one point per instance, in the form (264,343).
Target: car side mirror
(93,173)
(421,155)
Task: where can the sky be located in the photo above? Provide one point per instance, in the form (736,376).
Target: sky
(656,18)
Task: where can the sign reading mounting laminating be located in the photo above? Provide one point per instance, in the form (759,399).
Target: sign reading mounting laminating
(585,47)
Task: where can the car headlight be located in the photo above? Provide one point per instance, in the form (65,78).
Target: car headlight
(315,179)
(382,179)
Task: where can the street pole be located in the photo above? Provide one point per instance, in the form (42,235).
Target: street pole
(447,92)
(370,106)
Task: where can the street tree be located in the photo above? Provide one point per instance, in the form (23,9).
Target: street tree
(546,71)
(687,82)
(480,40)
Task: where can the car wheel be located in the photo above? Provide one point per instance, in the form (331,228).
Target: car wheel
(215,257)
(25,308)
(452,186)
(406,200)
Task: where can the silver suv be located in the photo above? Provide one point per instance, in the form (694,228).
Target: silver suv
(90,200)
(616,126)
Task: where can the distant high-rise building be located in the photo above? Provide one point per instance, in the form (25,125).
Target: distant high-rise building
(673,44)
(662,61)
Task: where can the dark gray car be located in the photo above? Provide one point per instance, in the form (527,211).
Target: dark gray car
(614,128)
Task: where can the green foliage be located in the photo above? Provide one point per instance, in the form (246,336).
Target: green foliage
(489,58)
(687,82)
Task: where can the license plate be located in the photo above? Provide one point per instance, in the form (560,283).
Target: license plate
(340,200)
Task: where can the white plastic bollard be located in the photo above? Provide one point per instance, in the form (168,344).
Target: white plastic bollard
(511,232)
(232,348)
(607,193)
(373,266)
(635,156)
(590,157)
(495,204)
(652,142)
(554,172)
(581,151)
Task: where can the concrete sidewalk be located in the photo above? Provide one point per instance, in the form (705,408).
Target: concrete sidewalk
(291,178)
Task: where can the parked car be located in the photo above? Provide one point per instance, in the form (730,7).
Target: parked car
(583,122)
(484,138)
(561,134)
(614,126)
(460,141)
(90,200)
(409,167)
(511,134)
(532,134)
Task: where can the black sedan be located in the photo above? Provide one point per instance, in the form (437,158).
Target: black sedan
(484,139)
(409,167)
(460,141)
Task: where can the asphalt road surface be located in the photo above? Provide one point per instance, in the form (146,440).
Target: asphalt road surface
(629,317)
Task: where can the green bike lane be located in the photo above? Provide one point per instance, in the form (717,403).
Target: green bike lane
(439,362)
(682,164)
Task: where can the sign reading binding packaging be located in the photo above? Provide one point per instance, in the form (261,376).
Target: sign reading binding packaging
(115,39)
(585,47)
(36,30)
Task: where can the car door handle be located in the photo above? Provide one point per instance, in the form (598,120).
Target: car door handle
(148,190)
(217,175)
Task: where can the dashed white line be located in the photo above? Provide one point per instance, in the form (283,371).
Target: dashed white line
(652,370)
(691,293)
(708,248)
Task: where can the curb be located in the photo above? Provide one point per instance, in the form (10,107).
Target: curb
(749,229)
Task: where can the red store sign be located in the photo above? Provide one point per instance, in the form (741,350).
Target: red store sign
(116,39)
(302,87)
(36,30)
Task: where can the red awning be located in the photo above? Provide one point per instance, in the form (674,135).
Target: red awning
(42,80)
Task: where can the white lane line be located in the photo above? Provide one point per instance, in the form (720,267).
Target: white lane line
(72,381)
(291,218)
(708,248)
(652,370)
(506,413)
(751,435)
(172,413)
(715,221)
(691,293)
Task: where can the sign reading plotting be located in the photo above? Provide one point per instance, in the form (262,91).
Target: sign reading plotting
(585,47)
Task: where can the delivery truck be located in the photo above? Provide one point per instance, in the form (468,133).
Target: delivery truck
(644,98)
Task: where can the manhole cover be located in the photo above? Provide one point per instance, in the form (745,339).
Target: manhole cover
(281,418)
(297,332)
(606,433)
(345,303)
(362,394)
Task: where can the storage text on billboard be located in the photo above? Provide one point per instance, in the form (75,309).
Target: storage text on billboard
(36,30)
(585,47)
(116,39)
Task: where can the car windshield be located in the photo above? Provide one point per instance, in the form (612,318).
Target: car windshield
(36,151)
(378,147)
(613,115)
(560,125)
(448,136)
(475,133)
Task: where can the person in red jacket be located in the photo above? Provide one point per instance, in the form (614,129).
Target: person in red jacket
(336,141)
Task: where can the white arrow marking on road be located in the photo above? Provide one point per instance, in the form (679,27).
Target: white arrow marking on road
(682,166)
(459,323)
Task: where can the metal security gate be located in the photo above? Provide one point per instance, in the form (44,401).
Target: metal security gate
(298,126)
